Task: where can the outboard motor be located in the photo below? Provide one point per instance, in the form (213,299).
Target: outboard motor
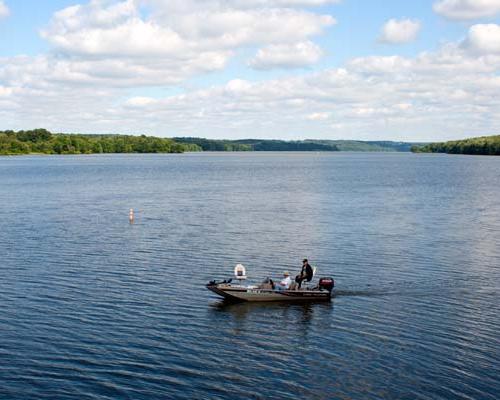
(326,284)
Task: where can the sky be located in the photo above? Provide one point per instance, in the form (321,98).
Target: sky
(426,70)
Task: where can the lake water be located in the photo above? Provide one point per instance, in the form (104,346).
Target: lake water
(92,307)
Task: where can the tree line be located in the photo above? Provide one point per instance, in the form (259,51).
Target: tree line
(44,142)
(485,145)
(256,145)
(214,145)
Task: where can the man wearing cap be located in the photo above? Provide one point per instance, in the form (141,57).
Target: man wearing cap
(285,282)
(305,274)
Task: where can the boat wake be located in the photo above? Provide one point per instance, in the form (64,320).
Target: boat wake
(417,288)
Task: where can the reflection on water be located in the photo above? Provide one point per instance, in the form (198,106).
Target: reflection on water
(94,307)
(279,310)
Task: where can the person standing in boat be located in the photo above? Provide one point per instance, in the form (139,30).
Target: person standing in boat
(305,274)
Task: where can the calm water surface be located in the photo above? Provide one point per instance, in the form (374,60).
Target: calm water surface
(94,308)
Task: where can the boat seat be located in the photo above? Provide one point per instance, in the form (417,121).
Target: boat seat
(240,272)
(266,286)
(304,286)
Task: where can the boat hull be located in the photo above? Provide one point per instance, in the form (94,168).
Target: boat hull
(241,293)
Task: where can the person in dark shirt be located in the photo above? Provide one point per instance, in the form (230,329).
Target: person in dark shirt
(305,274)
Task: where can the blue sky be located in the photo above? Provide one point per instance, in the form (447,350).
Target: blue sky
(359,23)
(354,69)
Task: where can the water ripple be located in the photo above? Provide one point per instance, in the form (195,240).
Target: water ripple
(96,308)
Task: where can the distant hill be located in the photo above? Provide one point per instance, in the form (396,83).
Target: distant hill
(484,145)
(301,145)
(359,145)
(255,145)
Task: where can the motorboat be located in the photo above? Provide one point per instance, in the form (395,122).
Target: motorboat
(237,292)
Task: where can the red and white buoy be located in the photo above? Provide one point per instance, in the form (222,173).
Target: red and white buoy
(131,216)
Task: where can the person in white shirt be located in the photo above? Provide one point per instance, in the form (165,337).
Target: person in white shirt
(285,282)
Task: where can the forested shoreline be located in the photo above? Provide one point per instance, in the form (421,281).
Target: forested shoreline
(255,144)
(295,145)
(484,145)
(41,141)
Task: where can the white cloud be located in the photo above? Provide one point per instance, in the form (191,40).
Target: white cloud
(467,9)
(231,27)
(318,116)
(484,39)
(237,86)
(192,5)
(178,39)
(400,31)
(140,101)
(296,55)
(4,10)
(380,65)
(96,31)
(282,3)
(369,97)
(106,51)
(400,97)
(175,27)
(132,38)
(403,106)
(6,92)
(105,72)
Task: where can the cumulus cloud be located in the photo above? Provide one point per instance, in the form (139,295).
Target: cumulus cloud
(318,116)
(483,39)
(400,31)
(467,9)
(177,5)
(105,72)
(282,3)
(231,27)
(140,101)
(95,30)
(4,10)
(179,39)
(296,55)
(449,92)
(399,96)
(103,49)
